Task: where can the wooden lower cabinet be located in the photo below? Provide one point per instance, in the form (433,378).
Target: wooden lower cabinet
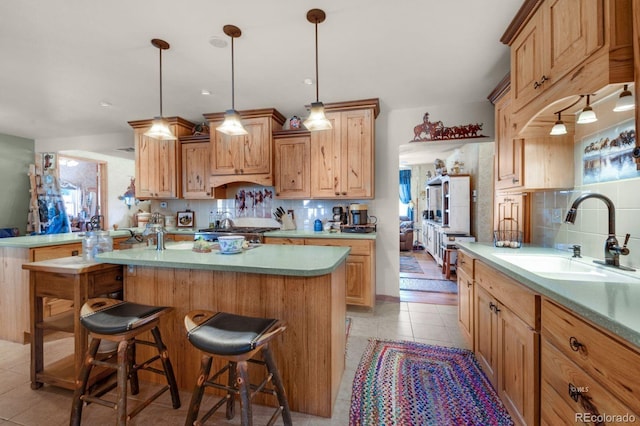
(586,371)
(465,305)
(360,264)
(506,345)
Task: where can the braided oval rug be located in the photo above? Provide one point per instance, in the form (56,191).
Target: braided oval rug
(409,383)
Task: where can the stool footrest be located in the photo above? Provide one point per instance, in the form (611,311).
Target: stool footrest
(213,409)
(147,402)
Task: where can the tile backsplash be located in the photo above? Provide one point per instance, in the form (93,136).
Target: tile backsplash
(549,209)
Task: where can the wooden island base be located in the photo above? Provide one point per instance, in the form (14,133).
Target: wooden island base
(310,354)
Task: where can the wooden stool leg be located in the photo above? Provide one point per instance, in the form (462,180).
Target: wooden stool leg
(231,382)
(244,386)
(81,383)
(277,382)
(168,368)
(198,391)
(133,372)
(121,402)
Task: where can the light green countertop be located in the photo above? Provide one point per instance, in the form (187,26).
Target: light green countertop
(613,305)
(324,234)
(33,241)
(272,259)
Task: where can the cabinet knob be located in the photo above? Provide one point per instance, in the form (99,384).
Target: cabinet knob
(469,283)
(118,277)
(344,193)
(494,307)
(75,253)
(538,84)
(337,193)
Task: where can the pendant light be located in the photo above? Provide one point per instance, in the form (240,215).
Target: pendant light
(160,127)
(587,115)
(559,128)
(232,125)
(317,120)
(625,102)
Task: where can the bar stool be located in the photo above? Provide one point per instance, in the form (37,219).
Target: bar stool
(236,339)
(121,322)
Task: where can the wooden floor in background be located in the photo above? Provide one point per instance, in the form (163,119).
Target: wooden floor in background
(431,271)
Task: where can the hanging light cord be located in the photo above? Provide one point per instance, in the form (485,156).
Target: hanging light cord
(317,81)
(160,49)
(233,84)
(572,105)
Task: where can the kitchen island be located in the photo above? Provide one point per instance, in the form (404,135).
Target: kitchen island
(302,285)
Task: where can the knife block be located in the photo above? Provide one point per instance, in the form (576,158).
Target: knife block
(287,223)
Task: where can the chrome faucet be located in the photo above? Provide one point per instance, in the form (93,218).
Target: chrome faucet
(612,249)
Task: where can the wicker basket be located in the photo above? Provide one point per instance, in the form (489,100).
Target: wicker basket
(507,234)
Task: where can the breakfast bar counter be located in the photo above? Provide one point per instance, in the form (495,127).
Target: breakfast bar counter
(304,286)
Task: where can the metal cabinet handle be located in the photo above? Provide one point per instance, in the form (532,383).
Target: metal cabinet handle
(576,345)
(538,84)
(469,283)
(494,307)
(514,180)
(75,253)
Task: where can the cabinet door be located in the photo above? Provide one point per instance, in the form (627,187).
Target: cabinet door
(527,67)
(195,170)
(518,367)
(359,280)
(575,31)
(225,153)
(325,160)
(291,167)
(166,185)
(146,161)
(510,213)
(357,156)
(486,334)
(255,147)
(508,162)
(465,305)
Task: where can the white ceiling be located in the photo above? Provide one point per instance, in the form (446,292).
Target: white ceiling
(60,59)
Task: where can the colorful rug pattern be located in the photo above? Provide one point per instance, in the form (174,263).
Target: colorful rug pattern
(409,264)
(408,383)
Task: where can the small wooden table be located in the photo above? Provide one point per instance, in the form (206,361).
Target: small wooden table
(73,279)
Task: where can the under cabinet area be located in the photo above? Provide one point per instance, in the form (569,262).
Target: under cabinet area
(507,339)
(158,161)
(585,371)
(360,265)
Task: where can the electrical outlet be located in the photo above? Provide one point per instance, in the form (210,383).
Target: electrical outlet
(163,204)
(556,216)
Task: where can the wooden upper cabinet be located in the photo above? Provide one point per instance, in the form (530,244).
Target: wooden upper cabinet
(342,158)
(196,161)
(248,157)
(158,162)
(291,172)
(508,160)
(562,48)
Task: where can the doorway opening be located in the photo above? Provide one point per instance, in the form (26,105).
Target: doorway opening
(83,187)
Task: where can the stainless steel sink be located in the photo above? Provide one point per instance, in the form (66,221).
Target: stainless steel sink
(566,268)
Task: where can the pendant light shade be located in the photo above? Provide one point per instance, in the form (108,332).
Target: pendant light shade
(625,102)
(232,125)
(559,128)
(317,119)
(160,127)
(587,115)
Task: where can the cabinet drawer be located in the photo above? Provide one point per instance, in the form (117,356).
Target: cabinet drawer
(610,362)
(281,240)
(358,247)
(510,293)
(105,282)
(56,252)
(568,391)
(465,263)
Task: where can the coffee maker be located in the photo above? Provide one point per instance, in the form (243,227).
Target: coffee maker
(339,215)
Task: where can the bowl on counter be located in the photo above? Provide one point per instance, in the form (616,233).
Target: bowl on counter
(231,243)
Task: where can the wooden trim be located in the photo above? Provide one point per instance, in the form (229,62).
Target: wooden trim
(195,138)
(522,16)
(282,134)
(142,124)
(250,113)
(373,103)
(501,89)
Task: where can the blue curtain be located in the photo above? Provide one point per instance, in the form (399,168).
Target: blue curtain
(405,190)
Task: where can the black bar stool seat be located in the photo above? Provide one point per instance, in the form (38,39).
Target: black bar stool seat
(122,323)
(236,339)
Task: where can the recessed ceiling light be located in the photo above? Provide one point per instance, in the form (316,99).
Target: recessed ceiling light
(219,42)
(205,92)
(105,104)
(308,81)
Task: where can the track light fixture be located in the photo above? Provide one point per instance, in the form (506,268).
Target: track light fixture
(625,102)
(160,127)
(559,128)
(232,125)
(587,115)
(317,119)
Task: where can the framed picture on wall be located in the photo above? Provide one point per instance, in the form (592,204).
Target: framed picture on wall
(186,219)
